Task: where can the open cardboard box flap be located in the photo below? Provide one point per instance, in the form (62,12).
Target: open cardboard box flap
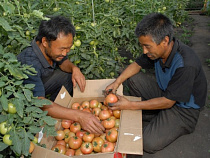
(130,133)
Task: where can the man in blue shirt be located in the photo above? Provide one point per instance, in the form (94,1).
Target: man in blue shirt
(173,97)
(48,55)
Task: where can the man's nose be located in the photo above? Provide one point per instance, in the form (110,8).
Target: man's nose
(145,51)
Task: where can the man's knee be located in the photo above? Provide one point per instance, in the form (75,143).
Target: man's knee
(151,146)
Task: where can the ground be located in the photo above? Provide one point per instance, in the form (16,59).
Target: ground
(197,144)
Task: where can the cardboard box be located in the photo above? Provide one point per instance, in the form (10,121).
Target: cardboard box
(130,130)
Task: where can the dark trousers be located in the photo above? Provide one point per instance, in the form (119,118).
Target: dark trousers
(166,125)
(54,82)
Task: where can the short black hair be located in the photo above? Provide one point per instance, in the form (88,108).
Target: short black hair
(52,27)
(157,26)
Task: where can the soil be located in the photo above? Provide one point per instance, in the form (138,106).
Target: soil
(196,144)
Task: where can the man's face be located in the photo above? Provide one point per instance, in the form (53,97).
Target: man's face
(58,49)
(150,48)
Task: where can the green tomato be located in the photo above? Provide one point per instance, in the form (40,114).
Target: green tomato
(130,61)
(28,33)
(6,139)
(4,128)
(11,108)
(92,42)
(55,9)
(73,46)
(107,1)
(77,43)
(112,74)
(35,140)
(93,24)
(77,27)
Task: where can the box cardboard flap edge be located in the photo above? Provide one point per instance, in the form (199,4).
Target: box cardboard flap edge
(94,88)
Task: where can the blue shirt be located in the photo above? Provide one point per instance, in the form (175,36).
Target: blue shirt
(33,56)
(181,77)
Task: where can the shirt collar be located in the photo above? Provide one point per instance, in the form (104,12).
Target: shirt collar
(170,57)
(39,54)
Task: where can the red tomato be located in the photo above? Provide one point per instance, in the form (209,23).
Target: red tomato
(97,144)
(59,148)
(111,136)
(110,98)
(104,114)
(86,109)
(103,107)
(86,148)
(94,103)
(78,152)
(85,104)
(66,123)
(31,148)
(61,142)
(96,111)
(70,152)
(75,142)
(68,136)
(111,112)
(117,113)
(75,105)
(108,123)
(80,133)
(66,131)
(75,127)
(117,155)
(60,135)
(88,137)
(107,147)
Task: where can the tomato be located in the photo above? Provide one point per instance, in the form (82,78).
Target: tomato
(107,1)
(75,127)
(103,107)
(75,105)
(66,123)
(59,148)
(104,114)
(107,147)
(77,43)
(66,131)
(108,123)
(111,74)
(85,104)
(78,152)
(91,42)
(60,135)
(103,136)
(4,128)
(86,148)
(99,105)
(7,140)
(61,142)
(96,111)
(11,108)
(117,123)
(97,144)
(73,46)
(117,113)
(70,152)
(80,133)
(68,136)
(111,112)
(118,155)
(31,148)
(75,142)
(88,137)
(110,98)
(35,140)
(93,24)
(55,9)
(111,136)
(94,103)
(28,33)
(86,109)
(77,28)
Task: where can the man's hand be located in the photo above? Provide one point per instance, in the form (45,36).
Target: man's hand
(78,78)
(121,104)
(90,123)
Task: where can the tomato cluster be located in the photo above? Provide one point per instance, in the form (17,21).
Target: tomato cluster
(73,140)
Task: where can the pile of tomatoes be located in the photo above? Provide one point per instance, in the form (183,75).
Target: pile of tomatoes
(73,140)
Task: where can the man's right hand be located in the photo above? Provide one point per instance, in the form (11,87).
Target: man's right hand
(90,123)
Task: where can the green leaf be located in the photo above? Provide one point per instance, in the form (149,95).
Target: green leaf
(49,120)
(27,120)
(34,129)
(89,68)
(3,118)
(29,86)
(25,144)
(17,145)
(28,94)
(8,7)
(3,146)
(5,24)
(2,84)
(4,102)
(19,106)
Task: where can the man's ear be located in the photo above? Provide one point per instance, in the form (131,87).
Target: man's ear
(44,41)
(165,41)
